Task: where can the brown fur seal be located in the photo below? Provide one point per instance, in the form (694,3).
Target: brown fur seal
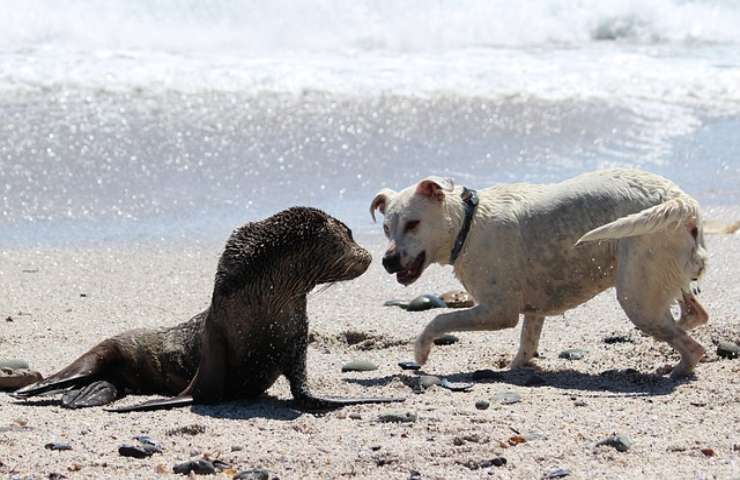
(255,329)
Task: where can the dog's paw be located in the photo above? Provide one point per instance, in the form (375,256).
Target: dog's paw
(422,348)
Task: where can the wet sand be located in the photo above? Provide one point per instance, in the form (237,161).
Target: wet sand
(62,301)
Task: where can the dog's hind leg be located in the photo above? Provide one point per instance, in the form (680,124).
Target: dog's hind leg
(478,318)
(647,283)
(529,340)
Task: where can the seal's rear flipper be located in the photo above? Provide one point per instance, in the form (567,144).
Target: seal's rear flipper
(52,384)
(93,395)
(159,404)
(310,403)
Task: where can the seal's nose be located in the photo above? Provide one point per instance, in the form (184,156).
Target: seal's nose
(392,262)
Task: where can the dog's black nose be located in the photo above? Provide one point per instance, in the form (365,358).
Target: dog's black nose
(392,263)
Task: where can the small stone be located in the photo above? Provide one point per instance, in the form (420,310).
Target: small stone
(457,299)
(515,440)
(56,476)
(579,403)
(556,473)
(728,350)
(708,452)
(58,446)
(456,386)
(147,440)
(494,462)
(75,467)
(409,365)
(253,474)
(508,398)
(534,380)
(618,339)
(425,302)
(194,429)
(446,340)
(414,475)
(137,451)
(8,318)
(618,442)
(397,417)
(359,366)
(482,404)
(236,448)
(83,295)
(198,467)
(572,354)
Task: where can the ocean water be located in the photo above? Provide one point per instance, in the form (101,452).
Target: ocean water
(144,120)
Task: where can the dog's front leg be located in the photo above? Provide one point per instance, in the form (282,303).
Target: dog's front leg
(480,317)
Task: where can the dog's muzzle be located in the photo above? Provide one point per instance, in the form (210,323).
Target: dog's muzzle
(392,263)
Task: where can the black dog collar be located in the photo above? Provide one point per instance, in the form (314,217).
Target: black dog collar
(470,199)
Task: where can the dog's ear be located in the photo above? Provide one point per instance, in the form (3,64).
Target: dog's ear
(435,187)
(380,201)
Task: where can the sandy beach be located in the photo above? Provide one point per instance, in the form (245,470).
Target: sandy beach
(59,302)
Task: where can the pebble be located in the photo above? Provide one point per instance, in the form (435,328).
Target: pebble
(137,451)
(618,339)
(728,350)
(446,340)
(482,404)
(253,474)
(425,302)
(456,386)
(457,299)
(198,467)
(397,417)
(409,365)
(56,476)
(508,398)
(359,366)
(579,403)
(58,446)
(556,473)
(414,475)
(573,354)
(236,448)
(618,442)
(708,452)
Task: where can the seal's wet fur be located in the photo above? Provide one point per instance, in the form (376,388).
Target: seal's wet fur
(254,330)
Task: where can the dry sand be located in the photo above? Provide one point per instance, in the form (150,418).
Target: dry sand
(62,301)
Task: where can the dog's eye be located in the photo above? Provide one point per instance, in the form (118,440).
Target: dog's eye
(411,226)
(386,230)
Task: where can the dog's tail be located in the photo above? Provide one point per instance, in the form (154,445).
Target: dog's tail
(672,214)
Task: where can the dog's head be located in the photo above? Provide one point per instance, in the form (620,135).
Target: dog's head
(417,228)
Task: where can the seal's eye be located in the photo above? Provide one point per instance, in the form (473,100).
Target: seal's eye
(410,226)
(386,230)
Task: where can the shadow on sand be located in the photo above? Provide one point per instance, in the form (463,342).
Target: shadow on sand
(627,382)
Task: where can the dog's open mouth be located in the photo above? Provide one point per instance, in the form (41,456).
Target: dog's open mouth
(413,271)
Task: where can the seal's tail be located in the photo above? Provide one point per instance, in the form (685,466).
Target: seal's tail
(672,214)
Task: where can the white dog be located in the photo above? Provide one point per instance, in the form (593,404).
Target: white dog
(539,250)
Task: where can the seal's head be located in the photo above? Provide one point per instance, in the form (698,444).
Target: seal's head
(344,258)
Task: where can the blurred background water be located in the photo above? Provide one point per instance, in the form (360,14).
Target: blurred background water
(137,121)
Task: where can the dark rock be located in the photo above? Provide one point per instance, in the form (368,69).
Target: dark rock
(572,354)
(457,299)
(425,302)
(199,467)
(456,386)
(446,340)
(137,451)
(56,476)
(508,398)
(482,404)
(253,474)
(15,378)
(8,318)
(236,448)
(58,446)
(618,442)
(556,473)
(534,380)
(618,339)
(410,365)
(359,366)
(486,374)
(728,350)
(397,417)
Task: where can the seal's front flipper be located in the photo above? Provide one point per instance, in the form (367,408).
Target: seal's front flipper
(159,404)
(93,395)
(308,402)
